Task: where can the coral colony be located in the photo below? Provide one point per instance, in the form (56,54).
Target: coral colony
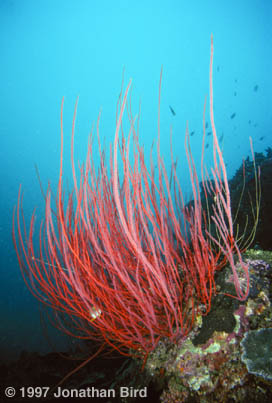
(121,255)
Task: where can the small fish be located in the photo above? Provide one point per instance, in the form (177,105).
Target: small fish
(256,87)
(235,93)
(209,133)
(221,138)
(218,68)
(172,110)
(206,126)
(192,133)
(261,138)
(249,122)
(207,145)
(233,115)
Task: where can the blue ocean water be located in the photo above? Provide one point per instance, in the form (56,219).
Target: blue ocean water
(50,50)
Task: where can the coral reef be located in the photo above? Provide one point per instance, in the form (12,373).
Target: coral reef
(208,365)
(257,352)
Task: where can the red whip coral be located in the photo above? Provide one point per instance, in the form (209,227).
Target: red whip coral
(123,257)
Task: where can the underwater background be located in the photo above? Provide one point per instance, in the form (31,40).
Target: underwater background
(53,49)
